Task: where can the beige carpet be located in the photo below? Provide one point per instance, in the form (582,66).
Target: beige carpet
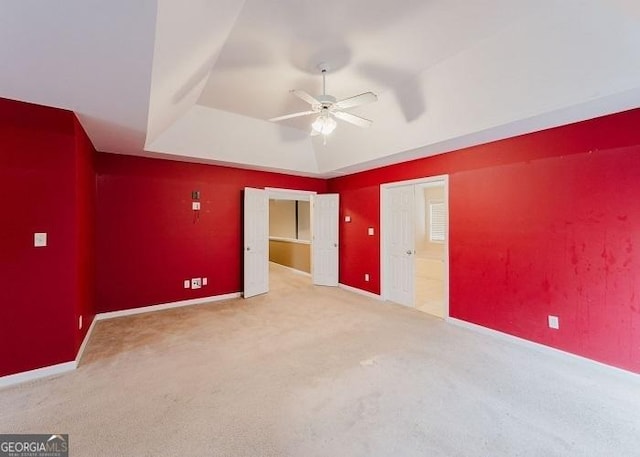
(316,371)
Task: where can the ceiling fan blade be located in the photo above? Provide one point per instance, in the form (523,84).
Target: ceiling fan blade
(289,116)
(305,96)
(353,119)
(356,100)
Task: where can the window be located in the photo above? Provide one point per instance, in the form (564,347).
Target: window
(437,221)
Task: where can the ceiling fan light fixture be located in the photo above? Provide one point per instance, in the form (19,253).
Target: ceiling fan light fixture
(324,124)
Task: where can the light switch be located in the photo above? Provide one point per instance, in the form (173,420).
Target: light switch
(39,239)
(347,218)
(370,231)
(554,322)
(187,284)
(205,281)
(195,206)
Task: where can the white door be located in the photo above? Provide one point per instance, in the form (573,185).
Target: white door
(324,244)
(400,244)
(256,242)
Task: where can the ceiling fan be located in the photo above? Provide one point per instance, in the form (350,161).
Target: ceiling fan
(328,108)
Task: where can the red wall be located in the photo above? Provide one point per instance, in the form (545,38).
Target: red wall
(40,163)
(546,223)
(148,241)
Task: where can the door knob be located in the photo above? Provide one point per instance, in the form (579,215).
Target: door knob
(409,251)
(248,248)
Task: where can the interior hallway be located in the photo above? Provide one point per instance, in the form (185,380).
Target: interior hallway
(318,371)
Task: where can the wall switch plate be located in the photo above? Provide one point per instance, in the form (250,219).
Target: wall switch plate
(370,231)
(39,239)
(554,322)
(196,283)
(187,284)
(347,218)
(205,281)
(195,206)
(366,277)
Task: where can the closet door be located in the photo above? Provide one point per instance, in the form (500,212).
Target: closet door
(400,244)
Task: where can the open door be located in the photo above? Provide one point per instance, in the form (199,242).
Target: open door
(324,240)
(256,242)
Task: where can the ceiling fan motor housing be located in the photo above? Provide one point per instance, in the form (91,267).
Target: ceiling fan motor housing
(326,100)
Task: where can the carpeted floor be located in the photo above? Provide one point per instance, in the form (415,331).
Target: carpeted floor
(317,371)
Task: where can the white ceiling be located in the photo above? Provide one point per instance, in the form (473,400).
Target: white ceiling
(199,80)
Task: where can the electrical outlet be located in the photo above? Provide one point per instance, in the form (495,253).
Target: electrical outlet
(370,231)
(187,284)
(366,277)
(205,281)
(554,322)
(196,283)
(347,218)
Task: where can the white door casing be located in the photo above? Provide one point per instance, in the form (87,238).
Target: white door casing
(324,244)
(256,242)
(390,215)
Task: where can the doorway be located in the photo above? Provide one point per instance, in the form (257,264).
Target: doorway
(415,244)
(323,217)
(290,233)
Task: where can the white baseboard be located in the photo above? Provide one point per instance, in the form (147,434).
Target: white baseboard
(85,340)
(291,269)
(163,306)
(65,367)
(548,350)
(355,290)
(38,373)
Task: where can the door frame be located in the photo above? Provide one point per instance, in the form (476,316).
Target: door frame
(308,195)
(384,223)
(278,194)
(289,194)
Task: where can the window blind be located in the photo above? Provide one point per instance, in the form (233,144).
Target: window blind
(437,221)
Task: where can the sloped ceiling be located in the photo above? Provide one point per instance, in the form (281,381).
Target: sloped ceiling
(198,80)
